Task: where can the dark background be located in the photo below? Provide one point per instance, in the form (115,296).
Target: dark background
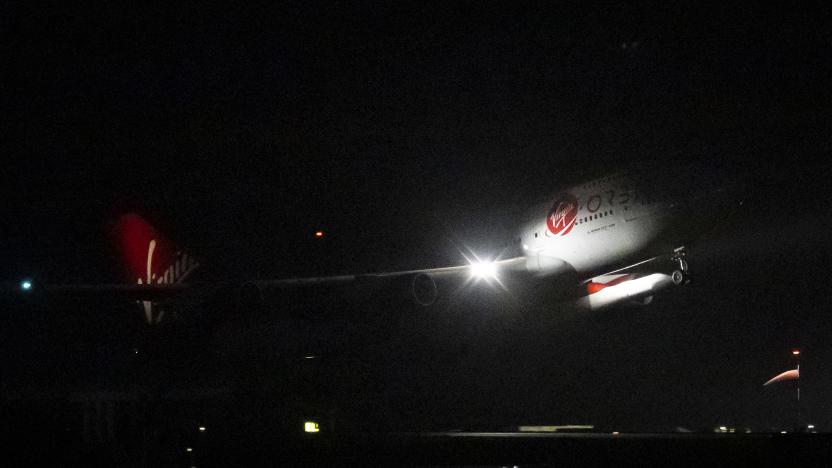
(406,132)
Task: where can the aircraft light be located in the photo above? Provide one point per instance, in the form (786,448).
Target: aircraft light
(202,428)
(796,352)
(26,285)
(311,426)
(484,270)
(319,233)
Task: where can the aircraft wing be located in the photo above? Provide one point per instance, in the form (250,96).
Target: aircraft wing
(511,264)
(161,272)
(621,271)
(146,292)
(419,284)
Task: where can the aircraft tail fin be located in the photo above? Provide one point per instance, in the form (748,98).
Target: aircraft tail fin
(148,257)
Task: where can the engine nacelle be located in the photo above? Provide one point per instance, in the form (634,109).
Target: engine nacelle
(642,301)
(422,289)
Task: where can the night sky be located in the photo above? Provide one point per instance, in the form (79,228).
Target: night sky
(404,131)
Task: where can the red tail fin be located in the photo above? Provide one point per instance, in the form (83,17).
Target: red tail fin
(147,255)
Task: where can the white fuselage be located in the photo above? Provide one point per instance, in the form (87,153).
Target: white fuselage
(595,227)
(592,226)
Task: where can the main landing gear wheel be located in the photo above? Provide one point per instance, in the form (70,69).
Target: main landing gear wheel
(679,277)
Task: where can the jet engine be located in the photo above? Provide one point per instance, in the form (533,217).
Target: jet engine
(421,287)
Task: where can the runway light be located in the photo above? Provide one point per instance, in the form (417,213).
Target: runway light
(311,356)
(796,352)
(484,270)
(26,285)
(311,426)
(811,426)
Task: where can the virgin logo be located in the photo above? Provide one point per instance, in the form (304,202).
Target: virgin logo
(181,267)
(175,272)
(562,216)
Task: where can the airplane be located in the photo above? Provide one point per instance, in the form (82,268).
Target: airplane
(618,239)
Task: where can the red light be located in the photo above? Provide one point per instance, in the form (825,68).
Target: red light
(319,233)
(796,352)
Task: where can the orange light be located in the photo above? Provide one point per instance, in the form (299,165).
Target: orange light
(319,233)
(796,352)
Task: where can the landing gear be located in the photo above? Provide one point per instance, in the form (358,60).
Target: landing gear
(680,275)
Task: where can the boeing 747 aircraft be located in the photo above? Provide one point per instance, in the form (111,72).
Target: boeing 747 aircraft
(622,238)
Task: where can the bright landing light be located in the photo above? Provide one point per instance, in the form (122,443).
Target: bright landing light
(26,285)
(484,270)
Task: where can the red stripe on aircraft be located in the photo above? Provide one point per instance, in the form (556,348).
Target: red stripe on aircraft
(593,287)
